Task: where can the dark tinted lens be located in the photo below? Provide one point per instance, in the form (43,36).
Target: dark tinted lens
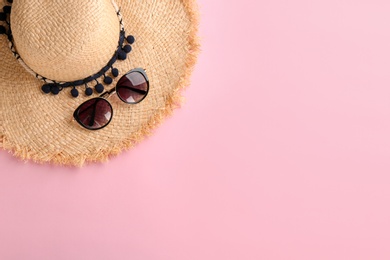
(132,87)
(94,114)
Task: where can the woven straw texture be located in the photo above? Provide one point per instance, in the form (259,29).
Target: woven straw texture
(40,127)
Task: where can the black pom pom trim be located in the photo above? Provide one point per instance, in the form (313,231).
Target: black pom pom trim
(46,88)
(55,90)
(99,88)
(2,30)
(127,48)
(122,55)
(75,93)
(115,72)
(88,91)
(107,80)
(130,39)
(7,9)
(3,16)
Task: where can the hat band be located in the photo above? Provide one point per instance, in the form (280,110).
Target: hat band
(55,87)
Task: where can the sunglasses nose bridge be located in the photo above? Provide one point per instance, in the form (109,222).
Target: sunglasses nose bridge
(112,93)
(109,93)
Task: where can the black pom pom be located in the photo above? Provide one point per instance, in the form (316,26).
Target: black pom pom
(130,39)
(75,93)
(122,55)
(46,88)
(7,9)
(3,16)
(107,80)
(99,88)
(55,89)
(127,48)
(88,91)
(2,30)
(115,72)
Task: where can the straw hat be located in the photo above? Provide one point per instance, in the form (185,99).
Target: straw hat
(68,40)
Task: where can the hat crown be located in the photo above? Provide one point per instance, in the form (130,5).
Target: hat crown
(65,40)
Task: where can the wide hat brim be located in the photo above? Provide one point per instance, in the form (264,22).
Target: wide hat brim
(40,127)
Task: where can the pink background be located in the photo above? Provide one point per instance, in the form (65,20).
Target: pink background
(281,152)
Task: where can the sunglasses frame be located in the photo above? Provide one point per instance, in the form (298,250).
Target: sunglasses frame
(104,96)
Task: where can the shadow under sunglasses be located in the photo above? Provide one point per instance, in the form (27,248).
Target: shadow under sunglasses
(96,113)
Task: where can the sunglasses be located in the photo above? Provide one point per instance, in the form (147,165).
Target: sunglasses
(96,113)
